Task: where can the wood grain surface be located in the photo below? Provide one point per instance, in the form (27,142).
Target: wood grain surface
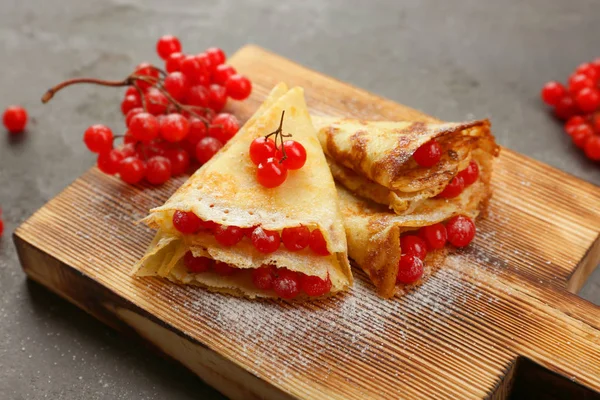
(463,334)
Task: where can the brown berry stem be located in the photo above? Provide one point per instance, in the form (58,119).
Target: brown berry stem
(280,135)
(52,91)
(132,80)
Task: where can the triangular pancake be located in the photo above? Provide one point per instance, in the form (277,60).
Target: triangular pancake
(225,190)
(373,232)
(381,150)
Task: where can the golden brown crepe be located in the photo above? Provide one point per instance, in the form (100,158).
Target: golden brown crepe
(373,232)
(373,158)
(225,190)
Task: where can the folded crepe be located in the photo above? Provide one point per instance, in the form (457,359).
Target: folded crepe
(225,191)
(374,232)
(373,159)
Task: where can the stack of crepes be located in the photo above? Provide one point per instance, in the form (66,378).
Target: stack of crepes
(225,192)
(384,193)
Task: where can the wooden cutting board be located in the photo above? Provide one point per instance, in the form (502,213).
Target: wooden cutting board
(499,318)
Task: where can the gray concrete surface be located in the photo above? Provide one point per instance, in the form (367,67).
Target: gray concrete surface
(453,59)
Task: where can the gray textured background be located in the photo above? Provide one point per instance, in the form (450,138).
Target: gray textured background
(453,59)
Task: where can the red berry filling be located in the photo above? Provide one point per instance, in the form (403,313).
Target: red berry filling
(428,154)
(197,264)
(410,269)
(265,241)
(461,230)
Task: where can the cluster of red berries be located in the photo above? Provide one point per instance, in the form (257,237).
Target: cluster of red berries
(272,162)
(265,241)
(459,231)
(14,119)
(286,283)
(579,105)
(172,117)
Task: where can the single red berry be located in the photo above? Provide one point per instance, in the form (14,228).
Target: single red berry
(566,108)
(435,236)
(296,238)
(286,283)
(180,161)
(197,96)
(263,277)
(581,134)
(130,102)
(573,123)
(224,269)
(167,45)
(173,63)
(470,174)
(197,264)
(264,240)
(217,97)
(128,150)
(261,148)
(216,56)
(552,92)
(589,70)
(14,119)
(592,148)
(413,245)
(1,227)
(194,70)
(156,102)
(577,82)
(186,222)
(176,85)
(144,127)
(131,90)
(205,61)
(588,100)
(315,286)
(238,87)
(109,162)
(270,173)
(461,230)
(174,127)
(131,113)
(453,189)
(98,138)
(410,269)
(223,127)
(158,170)
(317,243)
(198,130)
(149,72)
(132,170)
(221,73)
(207,148)
(296,155)
(428,154)
(228,235)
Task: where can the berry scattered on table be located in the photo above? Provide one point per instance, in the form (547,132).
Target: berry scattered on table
(579,105)
(15,119)
(172,117)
